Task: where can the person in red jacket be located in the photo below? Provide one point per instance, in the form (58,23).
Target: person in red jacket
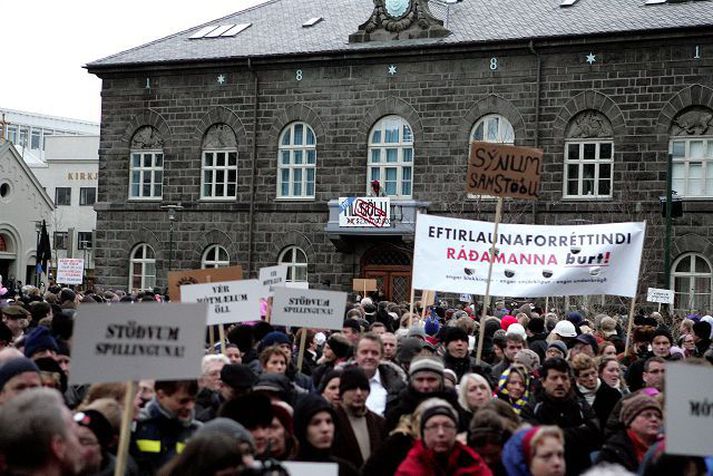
(438,452)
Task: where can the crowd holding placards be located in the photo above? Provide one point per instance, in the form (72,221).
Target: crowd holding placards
(390,393)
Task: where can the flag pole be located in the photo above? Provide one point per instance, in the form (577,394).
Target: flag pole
(486,300)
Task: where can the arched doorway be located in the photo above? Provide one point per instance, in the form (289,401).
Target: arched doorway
(391,267)
(7,257)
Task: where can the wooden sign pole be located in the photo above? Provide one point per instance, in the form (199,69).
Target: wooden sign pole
(301,355)
(413,297)
(630,325)
(221,336)
(125,432)
(486,300)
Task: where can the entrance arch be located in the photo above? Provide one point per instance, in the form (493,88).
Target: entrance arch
(391,267)
(8,256)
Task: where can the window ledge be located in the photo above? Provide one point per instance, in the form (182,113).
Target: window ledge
(587,198)
(295,199)
(218,200)
(694,198)
(141,199)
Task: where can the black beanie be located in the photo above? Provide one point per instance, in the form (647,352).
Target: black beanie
(702,329)
(536,325)
(454,333)
(99,425)
(307,407)
(339,344)
(251,410)
(353,378)
(445,410)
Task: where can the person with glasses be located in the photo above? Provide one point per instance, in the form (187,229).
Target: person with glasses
(438,451)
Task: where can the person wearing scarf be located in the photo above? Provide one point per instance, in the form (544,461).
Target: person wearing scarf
(513,387)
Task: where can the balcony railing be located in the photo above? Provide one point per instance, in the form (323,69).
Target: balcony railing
(402,220)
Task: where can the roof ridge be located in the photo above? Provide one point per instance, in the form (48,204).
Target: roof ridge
(172,35)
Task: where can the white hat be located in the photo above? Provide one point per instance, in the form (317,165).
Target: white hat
(565,328)
(517,329)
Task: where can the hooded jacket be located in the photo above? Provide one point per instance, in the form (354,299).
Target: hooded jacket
(459,461)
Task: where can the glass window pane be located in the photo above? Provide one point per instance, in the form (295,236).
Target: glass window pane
(375,156)
(232,176)
(159,160)
(310,175)
(588,171)
(300,256)
(697,150)
(573,151)
(408,154)
(375,173)
(206,190)
(220,189)
(287,256)
(135,189)
(492,132)
(158,190)
(590,151)
(605,150)
(232,159)
(297,157)
(286,137)
(604,187)
(695,170)
(285,157)
(376,136)
(146,191)
(478,132)
(684,265)
(231,190)
(147,160)
(135,160)
(301,273)
(208,159)
(408,135)
(392,132)
(392,155)
(220,159)
(297,175)
(299,134)
(605,171)
(310,137)
(311,156)
(678,149)
(573,171)
(572,187)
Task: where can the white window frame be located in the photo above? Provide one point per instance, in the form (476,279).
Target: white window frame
(581,162)
(401,163)
(148,281)
(691,295)
(153,169)
(682,181)
(214,171)
(211,257)
(503,135)
(294,167)
(294,264)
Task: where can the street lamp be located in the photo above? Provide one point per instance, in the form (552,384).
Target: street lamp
(171,209)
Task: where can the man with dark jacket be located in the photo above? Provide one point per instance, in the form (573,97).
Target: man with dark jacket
(358,430)
(536,337)
(559,405)
(455,341)
(164,425)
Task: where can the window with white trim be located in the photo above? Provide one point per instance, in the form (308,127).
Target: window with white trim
(691,281)
(296,162)
(215,256)
(391,157)
(296,261)
(146,174)
(142,268)
(219,174)
(491,128)
(589,156)
(692,166)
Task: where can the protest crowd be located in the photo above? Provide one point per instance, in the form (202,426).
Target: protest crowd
(393,393)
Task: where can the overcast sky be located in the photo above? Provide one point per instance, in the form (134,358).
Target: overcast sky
(46,43)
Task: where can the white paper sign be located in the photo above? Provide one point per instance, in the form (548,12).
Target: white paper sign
(123,341)
(370,212)
(453,255)
(689,409)
(663,296)
(297,468)
(70,271)
(308,308)
(272,277)
(228,301)
(466,298)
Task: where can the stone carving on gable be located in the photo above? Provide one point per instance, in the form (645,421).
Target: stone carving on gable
(220,136)
(399,19)
(694,122)
(589,124)
(147,138)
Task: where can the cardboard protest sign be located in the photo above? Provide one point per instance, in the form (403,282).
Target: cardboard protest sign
(689,409)
(370,212)
(308,308)
(228,301)
(663,296)
(70,271)
(453,255)
(504,170)
(364,285)
(299,468)
(271,277)
(119,342)
(176,279)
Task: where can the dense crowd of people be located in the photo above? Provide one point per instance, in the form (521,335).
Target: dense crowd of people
(393,393)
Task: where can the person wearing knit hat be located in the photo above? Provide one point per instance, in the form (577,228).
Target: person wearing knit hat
(507,321)
(642,418)
(16,376)
(438,451)
(702,336)
(450,380)
(283,444)
(254,412)
(96,436)
(432,326)
(607,327)
(229,427)
(340,346)
(456,358)
(329,386)
(352,330)
(275,338)
(39,343)
(529,359)
(358,430)
(556,348)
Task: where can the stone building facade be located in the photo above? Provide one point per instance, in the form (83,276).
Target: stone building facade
(257,135)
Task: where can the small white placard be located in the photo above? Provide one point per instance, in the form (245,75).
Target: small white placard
(295,468)
(228,301)
(689,409)
(466,298)
(70,270)
(272,277)
(124,341)
(663,296)
(308,308)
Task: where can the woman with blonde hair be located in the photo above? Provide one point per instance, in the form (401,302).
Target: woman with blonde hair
(473,392)
(514,387)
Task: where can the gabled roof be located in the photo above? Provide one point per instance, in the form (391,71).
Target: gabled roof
(8,150)
(277,29)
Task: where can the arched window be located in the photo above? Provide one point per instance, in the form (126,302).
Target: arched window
(215,256)
(391,156)
(691,147)
(691,282)
(142,268)
(493,128)
(589,156)
(219,164)
(296,161)
(146,165)
(296,261)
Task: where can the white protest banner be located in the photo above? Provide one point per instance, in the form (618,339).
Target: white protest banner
(663,296)
(297,468)
(70,270)
(689,409)
(370,212)
(271,277)
(453,255)
(228,301)
(120,342)
(308,308)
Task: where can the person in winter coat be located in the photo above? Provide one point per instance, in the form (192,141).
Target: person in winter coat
(537,337)
(473,392)
(558,404)
(643,419)
(600,396)
(438,452)
(456,358)
(314,429)
(535,451)
(514,387)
